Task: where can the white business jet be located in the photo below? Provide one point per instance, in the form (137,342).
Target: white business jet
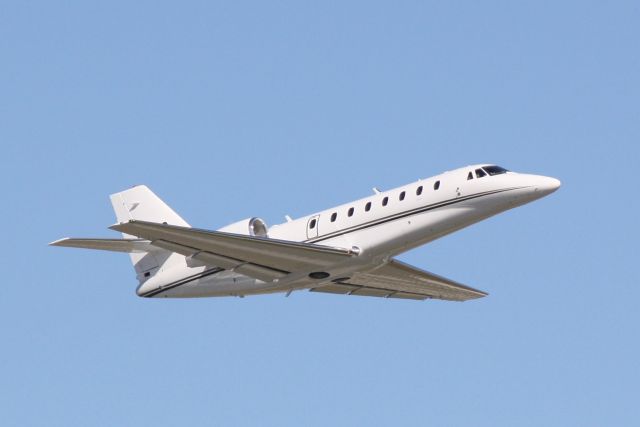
(348,249)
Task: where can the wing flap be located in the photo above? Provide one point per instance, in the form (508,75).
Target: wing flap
(335,288)
(371,292)
(345,289)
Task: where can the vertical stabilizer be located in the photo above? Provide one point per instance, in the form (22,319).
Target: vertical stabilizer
(141,203)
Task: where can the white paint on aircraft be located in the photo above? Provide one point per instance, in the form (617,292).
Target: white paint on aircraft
(348,249)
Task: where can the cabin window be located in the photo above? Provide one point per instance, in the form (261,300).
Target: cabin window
(495,170)
(312,224)
(436,185)
(419,191)
(480,173)
(350,213)
(470,176)
(333,217)
(367,207)
(385,201)
(402,195)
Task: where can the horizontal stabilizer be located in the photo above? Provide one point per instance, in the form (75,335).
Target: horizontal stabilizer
(115,245)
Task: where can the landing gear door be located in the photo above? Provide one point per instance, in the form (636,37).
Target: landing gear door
(312,227)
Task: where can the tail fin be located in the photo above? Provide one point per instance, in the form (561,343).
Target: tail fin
(141,203)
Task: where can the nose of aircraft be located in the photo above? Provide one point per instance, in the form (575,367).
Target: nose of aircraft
(547,185)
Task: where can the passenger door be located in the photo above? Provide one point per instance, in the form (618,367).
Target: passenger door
(312,226)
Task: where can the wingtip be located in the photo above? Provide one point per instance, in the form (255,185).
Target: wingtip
(474,294)
(58,242)
(481,294)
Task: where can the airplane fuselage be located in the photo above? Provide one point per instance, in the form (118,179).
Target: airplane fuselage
(377,228)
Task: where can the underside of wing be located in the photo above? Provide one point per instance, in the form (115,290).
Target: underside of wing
(399,280)
(259,257)
(115,245)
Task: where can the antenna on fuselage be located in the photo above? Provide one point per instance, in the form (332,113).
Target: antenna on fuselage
(375,190)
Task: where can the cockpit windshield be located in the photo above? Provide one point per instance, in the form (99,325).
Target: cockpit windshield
(494,170)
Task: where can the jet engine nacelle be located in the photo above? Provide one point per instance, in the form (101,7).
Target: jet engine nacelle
(248,227)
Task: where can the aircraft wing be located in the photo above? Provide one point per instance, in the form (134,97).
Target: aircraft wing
(259,257)
(116,245)
(399,280)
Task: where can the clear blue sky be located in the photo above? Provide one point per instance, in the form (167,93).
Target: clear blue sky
(242,109)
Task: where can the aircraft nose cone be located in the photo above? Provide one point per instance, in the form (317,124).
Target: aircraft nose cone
(548,185)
